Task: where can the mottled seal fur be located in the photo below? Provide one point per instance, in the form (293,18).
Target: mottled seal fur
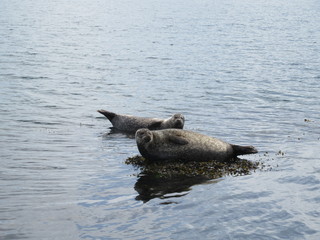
(177,144)
(131,124)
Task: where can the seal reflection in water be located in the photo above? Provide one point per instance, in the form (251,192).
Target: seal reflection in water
(131,124)
(177,144)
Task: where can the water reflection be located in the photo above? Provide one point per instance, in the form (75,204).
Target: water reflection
(115,131)
(151,186)
(159,179)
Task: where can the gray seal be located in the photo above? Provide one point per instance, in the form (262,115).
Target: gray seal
(177,144)
(131,124)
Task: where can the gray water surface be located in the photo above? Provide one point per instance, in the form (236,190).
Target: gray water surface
(247,72)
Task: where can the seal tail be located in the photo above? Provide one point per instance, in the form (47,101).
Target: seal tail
(242,150)
(109,115)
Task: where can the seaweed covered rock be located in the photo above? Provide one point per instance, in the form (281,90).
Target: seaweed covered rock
(209,169)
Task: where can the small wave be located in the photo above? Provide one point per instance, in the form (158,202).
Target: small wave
(39,122)
(32,77)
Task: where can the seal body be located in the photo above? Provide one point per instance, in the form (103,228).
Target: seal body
(131,124)
(177,144)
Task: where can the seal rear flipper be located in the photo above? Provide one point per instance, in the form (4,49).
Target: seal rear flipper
(242,150)
(178,140)
(107,114)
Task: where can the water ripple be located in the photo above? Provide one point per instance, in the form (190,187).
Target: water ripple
(243,71)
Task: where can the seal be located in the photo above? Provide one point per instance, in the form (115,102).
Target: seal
(177,144)
(131,124)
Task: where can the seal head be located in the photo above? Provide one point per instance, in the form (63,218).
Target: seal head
(176,121)
(144,138)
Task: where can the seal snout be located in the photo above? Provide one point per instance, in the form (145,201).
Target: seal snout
(178,124)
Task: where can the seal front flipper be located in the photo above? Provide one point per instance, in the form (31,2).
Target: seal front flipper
(178,140)
(109,115)
(155,125)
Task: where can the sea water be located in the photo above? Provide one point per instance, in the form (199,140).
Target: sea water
(246,72)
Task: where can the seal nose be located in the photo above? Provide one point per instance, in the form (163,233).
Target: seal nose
(146,138)
(178,123)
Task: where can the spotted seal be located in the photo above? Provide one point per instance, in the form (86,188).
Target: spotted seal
(131,124)
(174,144)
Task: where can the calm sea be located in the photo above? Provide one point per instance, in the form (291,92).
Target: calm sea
(247,72)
